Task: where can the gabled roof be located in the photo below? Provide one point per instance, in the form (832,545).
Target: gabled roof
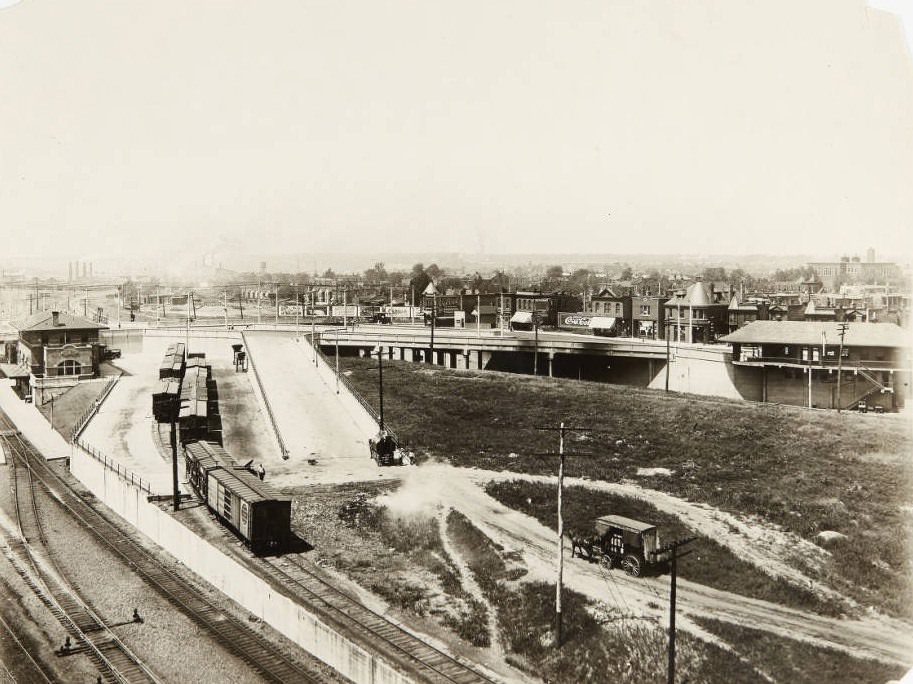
(44,320)
(809,333)
(430,289)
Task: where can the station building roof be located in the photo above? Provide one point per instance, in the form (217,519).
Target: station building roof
(45,321)
(810,333)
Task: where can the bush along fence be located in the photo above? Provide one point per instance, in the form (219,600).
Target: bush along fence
(269,409)
(84,419)
(111,464)
(350,388)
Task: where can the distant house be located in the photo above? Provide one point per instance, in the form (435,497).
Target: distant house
(798,362)
(614,310)
(742,313)
(699,314)
(58,349)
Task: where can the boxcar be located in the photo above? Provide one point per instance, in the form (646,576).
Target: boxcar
(172,365)
(169,392)
(201,457)
(258,514)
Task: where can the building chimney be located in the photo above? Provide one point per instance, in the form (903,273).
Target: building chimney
(55,318)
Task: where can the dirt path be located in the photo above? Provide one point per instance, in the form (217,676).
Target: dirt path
(469,583)
(776,552)
(875,637)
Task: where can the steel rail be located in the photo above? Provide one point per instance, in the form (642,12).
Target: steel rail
(264,658)
(106,650)
(410,652)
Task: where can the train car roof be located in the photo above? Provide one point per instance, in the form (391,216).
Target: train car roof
(624,523)
(247,485)
(205,449)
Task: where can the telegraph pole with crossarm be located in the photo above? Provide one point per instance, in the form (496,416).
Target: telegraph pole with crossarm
(673,547)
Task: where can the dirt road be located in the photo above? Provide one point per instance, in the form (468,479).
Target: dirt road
(875,637)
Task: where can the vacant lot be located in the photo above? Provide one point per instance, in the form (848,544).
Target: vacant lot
(805,471)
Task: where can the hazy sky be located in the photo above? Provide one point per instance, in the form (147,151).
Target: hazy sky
(718,126)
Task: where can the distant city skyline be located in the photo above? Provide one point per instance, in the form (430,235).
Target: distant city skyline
(134,131)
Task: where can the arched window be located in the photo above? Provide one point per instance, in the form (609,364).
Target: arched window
(68,367)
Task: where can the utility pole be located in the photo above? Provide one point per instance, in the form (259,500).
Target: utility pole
(841,330)
(379,350)
(668,356)
(433,316)
(673,547)
(562,429)
(276,294)
(314,330)
(535,342)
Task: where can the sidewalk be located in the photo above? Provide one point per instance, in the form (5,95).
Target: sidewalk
(32,424)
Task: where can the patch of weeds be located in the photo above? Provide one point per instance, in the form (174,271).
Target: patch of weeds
(794,661)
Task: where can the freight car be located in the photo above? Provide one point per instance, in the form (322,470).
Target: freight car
(173,363)
(202,456)
(199,409)
(631,544)
(164,400)
(253,510)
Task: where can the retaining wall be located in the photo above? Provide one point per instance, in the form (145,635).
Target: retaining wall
(254,594)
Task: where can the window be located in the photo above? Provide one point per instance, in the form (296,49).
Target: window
(644,309)
(68,367)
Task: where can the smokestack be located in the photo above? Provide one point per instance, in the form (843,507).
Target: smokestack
(83,269)
(69,271)
(55,318)
(90,269)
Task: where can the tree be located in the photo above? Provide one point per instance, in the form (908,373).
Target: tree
(626,273)
(376,273)
(329,273)
(418,281)
(714,273)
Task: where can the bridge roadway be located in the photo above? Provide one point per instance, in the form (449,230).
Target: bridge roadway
(470,342)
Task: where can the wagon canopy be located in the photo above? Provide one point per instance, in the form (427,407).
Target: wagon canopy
(629,524)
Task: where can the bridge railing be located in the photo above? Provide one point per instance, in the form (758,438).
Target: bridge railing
(350,388)
(84,419)
(269,409)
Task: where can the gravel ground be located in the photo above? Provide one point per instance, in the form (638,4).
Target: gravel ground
(172,645)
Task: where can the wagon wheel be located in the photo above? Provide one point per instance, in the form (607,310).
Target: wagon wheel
(631,565)
(606,561)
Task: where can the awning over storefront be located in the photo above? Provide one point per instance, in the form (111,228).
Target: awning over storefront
(522,317)
(602,323)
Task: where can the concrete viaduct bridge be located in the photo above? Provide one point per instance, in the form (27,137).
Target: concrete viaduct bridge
(619,360)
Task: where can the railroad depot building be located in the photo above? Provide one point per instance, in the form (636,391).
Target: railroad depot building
(59,350)
(799,362)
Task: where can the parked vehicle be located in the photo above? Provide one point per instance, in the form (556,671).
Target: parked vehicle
(631,544)
(385,451)
(240,500)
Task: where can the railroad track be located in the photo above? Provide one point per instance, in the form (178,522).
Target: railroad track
(33,559)
(260,655)
(350,615)
(23,661)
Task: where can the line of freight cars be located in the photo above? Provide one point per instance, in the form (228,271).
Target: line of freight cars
(254,511)
(187,380)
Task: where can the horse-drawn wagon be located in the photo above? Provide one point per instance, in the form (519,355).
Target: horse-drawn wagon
(631,544)
(385,451)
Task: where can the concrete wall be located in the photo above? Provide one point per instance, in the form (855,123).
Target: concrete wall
(237,582)
(698,370)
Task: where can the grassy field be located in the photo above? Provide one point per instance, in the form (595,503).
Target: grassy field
(807,471)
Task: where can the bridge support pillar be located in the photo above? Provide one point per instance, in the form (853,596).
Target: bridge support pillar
(551,358)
